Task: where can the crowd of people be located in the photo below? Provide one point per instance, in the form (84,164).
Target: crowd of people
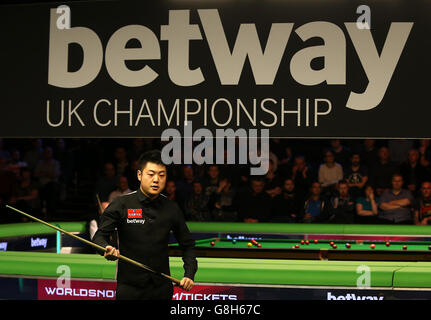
(308,181)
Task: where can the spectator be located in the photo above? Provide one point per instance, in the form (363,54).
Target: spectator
(122,189)
(356,175)
(47,171)
(367,207)
(425,152)
(254,203)
(413,172)
(398,150)
(15,164)
(330,172)
(343,207)
(107,183)
(212,181)
(423,205)
(25,194)
(287,205)
(170,190)
(130,172)
(224,208)
(196,208)
(272,181)
(120,160)
(396,203)
(381,173)
(315,207)
(302,176)
(34,154)
(341,153)
(369,154)
(185,185)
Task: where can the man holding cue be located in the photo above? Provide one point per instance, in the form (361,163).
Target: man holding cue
(144,220)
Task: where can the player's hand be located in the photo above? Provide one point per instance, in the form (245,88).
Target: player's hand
(111,253)
(187,284)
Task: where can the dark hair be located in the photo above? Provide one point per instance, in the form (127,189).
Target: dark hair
(153,156)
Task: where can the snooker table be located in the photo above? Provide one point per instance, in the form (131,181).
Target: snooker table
(35,275)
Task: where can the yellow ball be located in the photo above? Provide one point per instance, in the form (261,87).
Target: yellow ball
(249,244)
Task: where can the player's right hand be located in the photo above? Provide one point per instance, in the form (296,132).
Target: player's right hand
(111,253)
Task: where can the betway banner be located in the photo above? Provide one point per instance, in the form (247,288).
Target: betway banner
(134,68)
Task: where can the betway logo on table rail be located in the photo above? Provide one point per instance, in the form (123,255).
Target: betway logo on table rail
(265,62)
(352,296)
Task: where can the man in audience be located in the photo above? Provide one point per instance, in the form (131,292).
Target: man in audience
(343,207)
(341,153)
(302,176)
(122,189)
(413,172)
(381,172)
(254,204)
(330,173)
(316,206)
(287,205)
(356,175)
(196,206)
(423,205)
(397,203)
(107,183)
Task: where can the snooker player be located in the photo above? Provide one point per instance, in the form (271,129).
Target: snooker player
(144,219)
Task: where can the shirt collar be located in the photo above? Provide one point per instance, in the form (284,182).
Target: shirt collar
(144,199)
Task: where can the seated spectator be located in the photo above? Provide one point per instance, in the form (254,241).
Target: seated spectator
(380,174)
(15,164)
(196,208)
(369,153)
(330,172)
(273,181)
(367,206)
(356,175)
(396,204)
(47,171)
(170,190)
(34,154)
(425,152)
(25,195)
(254,203)
(343,207)
(130,172)
(224,208)
(122,189)
(398,150)
(413,172)
(106,183)
(302,176)
(423,205)
(120,160)
(211,182)
(316,206)
(287,206)
(184,186)
(341,153)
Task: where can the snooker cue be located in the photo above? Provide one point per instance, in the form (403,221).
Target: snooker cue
(143,266)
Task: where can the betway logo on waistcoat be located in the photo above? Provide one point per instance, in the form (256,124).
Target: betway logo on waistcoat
(229,64)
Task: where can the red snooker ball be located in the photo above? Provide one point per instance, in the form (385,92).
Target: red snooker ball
(212,243)
(307,242)
(297,246)
(404,247)
(373,246)
(316,241)
(259,245)
(387,243)
(331,243)
(302,241)
(334,246)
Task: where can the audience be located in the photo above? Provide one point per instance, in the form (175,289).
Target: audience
(423,205)
(396,203)
(368,181)
(342,206)
(330,172)
(316,206)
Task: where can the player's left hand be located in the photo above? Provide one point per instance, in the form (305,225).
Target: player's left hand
(187,283)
